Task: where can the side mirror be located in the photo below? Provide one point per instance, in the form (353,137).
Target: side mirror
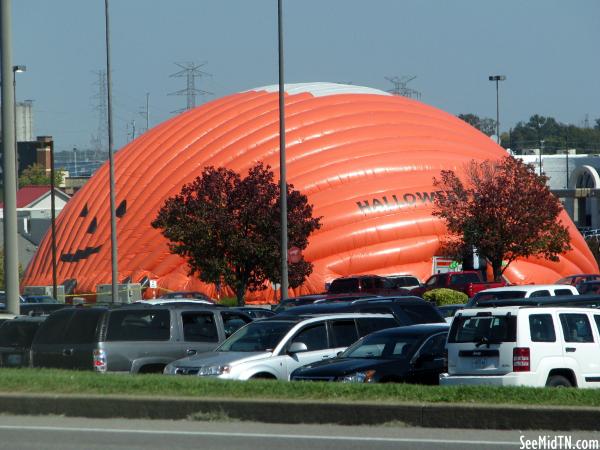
(338,354)
(297,347)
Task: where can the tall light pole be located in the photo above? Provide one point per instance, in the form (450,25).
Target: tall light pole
(15,70)
(9,150)
(282,163)
(497,78)
(113,215)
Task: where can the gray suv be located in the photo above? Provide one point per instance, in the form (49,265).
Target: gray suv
(136,339)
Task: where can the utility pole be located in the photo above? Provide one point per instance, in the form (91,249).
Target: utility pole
(11,256)
(111,163)
(147,111)
(282,160)
(190,71)
(541,153)
(101,109)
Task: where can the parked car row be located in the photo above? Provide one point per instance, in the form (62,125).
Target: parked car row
(191,338)
(537,337)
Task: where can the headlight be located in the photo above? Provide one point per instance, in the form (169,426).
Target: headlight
(358,377)
(213,370)
(169,369)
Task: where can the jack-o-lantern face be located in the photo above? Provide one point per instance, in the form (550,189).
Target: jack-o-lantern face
(365,159)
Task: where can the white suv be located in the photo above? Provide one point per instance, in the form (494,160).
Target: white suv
(523,291)
(275,347)
(524,346)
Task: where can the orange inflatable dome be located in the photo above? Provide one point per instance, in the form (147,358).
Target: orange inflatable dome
(364,158)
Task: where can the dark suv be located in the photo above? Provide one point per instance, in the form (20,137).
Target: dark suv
(136,338)
(366,284)
(16,336)
(406,310)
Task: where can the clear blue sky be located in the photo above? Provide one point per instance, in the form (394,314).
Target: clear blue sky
(548,50)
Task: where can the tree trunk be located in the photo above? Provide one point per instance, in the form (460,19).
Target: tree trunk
(239,293)
(497,269)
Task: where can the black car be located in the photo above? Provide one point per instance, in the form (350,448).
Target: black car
(255,312)
(411,354)
(310,299)
(589,287)
(406,310)
(16,336)
(448,311)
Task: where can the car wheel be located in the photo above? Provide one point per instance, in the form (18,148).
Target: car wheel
(558,381)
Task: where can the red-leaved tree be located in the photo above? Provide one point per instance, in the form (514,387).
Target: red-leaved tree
(228,228)
(504,210)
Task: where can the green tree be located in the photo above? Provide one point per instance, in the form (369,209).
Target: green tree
(556,136)
(35,175)
(485,125)
(504,210)
(227,228)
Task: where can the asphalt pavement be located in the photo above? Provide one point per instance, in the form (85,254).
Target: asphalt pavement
(66,433)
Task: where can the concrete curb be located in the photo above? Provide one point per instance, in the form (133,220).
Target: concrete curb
(309,412)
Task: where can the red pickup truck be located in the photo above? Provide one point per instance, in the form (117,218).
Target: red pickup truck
(469,282)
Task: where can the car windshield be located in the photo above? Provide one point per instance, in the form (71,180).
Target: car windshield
(261,336)
(500,295)
(383,347)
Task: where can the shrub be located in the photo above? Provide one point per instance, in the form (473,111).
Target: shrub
(444,296)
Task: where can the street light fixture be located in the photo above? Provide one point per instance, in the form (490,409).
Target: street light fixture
(16,70)
(497,78)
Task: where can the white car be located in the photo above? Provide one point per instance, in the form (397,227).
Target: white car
(523,291)
(273,348)
(524,346)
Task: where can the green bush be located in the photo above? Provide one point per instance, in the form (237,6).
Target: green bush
(228,301)
(444,296)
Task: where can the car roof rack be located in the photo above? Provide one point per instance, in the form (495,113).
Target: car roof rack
(582,301)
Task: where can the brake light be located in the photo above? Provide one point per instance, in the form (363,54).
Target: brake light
(99,360)
(521,359)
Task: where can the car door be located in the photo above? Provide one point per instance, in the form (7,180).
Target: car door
(200,332)
(233,321)
(80,339)
(342,334)
(580,346)
(314,336)
(429,360)
(48,343)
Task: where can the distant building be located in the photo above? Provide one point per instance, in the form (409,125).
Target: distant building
(24,121)
(575,180)
(33,218)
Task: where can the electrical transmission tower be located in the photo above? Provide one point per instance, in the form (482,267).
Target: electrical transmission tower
(401,88)
(101,109)
(190,71)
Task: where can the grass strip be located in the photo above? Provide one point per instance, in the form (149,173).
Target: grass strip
(74,382)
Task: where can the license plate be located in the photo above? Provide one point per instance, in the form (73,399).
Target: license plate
(480,363)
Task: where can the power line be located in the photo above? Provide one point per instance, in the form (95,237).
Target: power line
(101,108)
(190,71)
(401,88)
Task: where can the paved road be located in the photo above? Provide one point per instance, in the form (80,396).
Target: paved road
(44,432)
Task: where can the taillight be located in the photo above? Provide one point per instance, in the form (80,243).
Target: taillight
(521,359)
(99,360)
